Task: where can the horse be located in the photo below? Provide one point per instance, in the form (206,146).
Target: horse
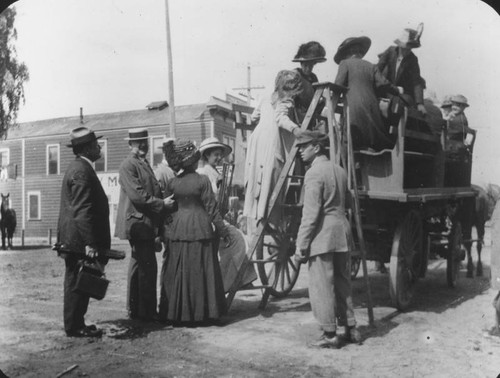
(475,214)
(8,221)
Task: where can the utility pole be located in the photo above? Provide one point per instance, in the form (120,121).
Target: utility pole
(170,74)
(249,87)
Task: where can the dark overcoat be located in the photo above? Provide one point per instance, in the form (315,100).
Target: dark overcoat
(84,211)
(407,76)
(140,204)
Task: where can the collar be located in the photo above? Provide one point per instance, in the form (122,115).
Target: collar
(87,160)
(318,159)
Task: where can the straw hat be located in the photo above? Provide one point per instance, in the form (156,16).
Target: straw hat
(310,52)
(460,99)
(363,42)
(137,134)
(81,135)
(212,142)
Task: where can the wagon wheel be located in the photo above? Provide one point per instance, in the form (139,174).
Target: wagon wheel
(453,257)
(281,271)
(355,264)
(406,259)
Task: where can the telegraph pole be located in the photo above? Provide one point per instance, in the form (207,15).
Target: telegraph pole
(249,87)
(170,74)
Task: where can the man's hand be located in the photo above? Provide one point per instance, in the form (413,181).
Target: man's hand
(169,202)
(90,252)
(421,109)
(227,240)
(301,256)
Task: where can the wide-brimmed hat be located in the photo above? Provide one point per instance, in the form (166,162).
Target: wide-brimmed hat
(363,42)
(181,153)
(309,52)
(446,103)
(312,136)
(81,135)
(137,134)
(410,38)
(288,84)
(460,99)
(213,142)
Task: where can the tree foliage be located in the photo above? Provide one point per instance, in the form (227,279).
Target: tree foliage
(13,73)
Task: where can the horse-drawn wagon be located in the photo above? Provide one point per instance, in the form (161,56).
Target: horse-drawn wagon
(409,202)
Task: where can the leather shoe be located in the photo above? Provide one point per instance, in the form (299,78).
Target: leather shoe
(353,335)
(335,342)
(85,332)
(92,327)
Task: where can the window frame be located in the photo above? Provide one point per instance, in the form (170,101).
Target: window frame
(231,142)
(5,149)
(38,194)
(58,158)
(104,147)
(153,150)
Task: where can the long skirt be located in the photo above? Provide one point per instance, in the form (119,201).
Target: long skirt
(191,283)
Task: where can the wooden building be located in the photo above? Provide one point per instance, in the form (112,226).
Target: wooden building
(34,156)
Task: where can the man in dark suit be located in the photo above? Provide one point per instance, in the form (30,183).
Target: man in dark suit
(83,226)
(140,209)
(400,66)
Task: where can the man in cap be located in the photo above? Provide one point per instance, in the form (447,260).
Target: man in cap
(140,209)
(83,226)
(324,240)
(400,66)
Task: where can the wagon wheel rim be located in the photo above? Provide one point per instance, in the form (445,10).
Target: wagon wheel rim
(278,247)
(406,259)
(453,258)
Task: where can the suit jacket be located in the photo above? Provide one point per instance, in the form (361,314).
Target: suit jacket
(84,211)
(324,226)
(408,75)
(140,204)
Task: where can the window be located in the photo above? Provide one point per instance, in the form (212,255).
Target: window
(156,151)
(4,157)
(230,141)
(101,165)
(53,159)
(34,212)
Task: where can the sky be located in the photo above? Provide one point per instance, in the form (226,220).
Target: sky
(111,55)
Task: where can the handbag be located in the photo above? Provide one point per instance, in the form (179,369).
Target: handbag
(91,280)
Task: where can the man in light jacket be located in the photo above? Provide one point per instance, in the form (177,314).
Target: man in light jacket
(324,240)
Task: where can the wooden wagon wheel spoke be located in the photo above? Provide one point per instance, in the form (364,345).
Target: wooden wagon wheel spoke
(406,259)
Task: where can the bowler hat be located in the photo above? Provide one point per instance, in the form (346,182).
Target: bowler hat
(81,136)
(460,99)
(213,142)
(312,137)
(309,52)
(137,134)
(363,42)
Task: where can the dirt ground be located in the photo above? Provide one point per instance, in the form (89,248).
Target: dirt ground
(443,334)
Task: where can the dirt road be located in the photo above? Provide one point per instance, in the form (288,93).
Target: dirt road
(443,334)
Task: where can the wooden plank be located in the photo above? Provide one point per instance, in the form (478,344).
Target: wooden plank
(422,136)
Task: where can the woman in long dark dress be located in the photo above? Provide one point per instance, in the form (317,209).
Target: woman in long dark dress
(363,79)
(192,288)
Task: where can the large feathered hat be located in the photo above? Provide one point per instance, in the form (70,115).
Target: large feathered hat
(410,37)
(309,52)
(180,153)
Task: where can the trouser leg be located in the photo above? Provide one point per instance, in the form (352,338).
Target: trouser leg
(321,291)
(343,291)
(75,305)
(143,271)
